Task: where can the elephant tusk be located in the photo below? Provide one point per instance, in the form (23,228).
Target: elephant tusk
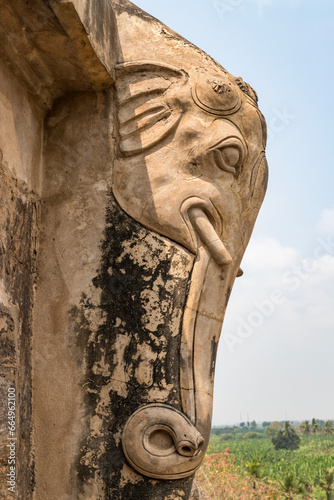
(209,237)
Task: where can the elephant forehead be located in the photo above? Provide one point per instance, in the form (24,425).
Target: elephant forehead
(225,97)
(216,94)
(251,124)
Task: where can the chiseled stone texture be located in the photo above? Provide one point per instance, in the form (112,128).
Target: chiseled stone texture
(77,182)
(45,51)
(19,213)
(57,46)
(125,212)
(133,356)
(190,166)
(20,163)
(107,337)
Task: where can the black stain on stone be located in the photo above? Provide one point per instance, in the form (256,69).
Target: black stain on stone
(214,348)
(7,357)
(228,295)
(18,228)
(79,324)
(6,321)
(135,264)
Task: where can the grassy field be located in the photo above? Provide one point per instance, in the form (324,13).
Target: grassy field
(246,465)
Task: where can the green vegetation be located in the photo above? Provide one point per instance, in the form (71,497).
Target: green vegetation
(302,469)
(286,439)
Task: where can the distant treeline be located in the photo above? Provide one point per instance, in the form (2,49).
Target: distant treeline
(260,427)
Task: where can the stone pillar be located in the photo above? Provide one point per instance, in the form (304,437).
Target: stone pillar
(148,173)
(45,52)
(20,165)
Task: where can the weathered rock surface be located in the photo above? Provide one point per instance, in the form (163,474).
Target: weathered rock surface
(125,212)
(20,153)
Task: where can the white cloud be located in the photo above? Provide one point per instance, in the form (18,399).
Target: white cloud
(326,222)
(310,305)
(286,344)
(268,254)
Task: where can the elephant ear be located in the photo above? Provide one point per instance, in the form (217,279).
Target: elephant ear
(146,112)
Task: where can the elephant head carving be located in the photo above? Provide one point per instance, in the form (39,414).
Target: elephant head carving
(183,136)
(192,167)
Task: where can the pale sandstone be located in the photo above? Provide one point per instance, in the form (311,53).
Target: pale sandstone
(126,210)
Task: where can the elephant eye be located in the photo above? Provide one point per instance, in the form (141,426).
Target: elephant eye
(231,156)
(228,158)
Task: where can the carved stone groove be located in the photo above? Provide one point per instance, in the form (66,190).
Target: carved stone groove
(194,163)
(161,442)
(33,35)
(132,171)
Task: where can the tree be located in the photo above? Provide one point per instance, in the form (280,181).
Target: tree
(254,468)
(277,425)
(286,439)
(306,428)
(329,428)
(253,435)
(314,426)
(273,429)
(228,437)
(265,424)
(288,430)
(327,483)
(242,424)
(270,432)
(290,486)
(253,424)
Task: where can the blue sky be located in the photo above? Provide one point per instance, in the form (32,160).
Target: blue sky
(276,356)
